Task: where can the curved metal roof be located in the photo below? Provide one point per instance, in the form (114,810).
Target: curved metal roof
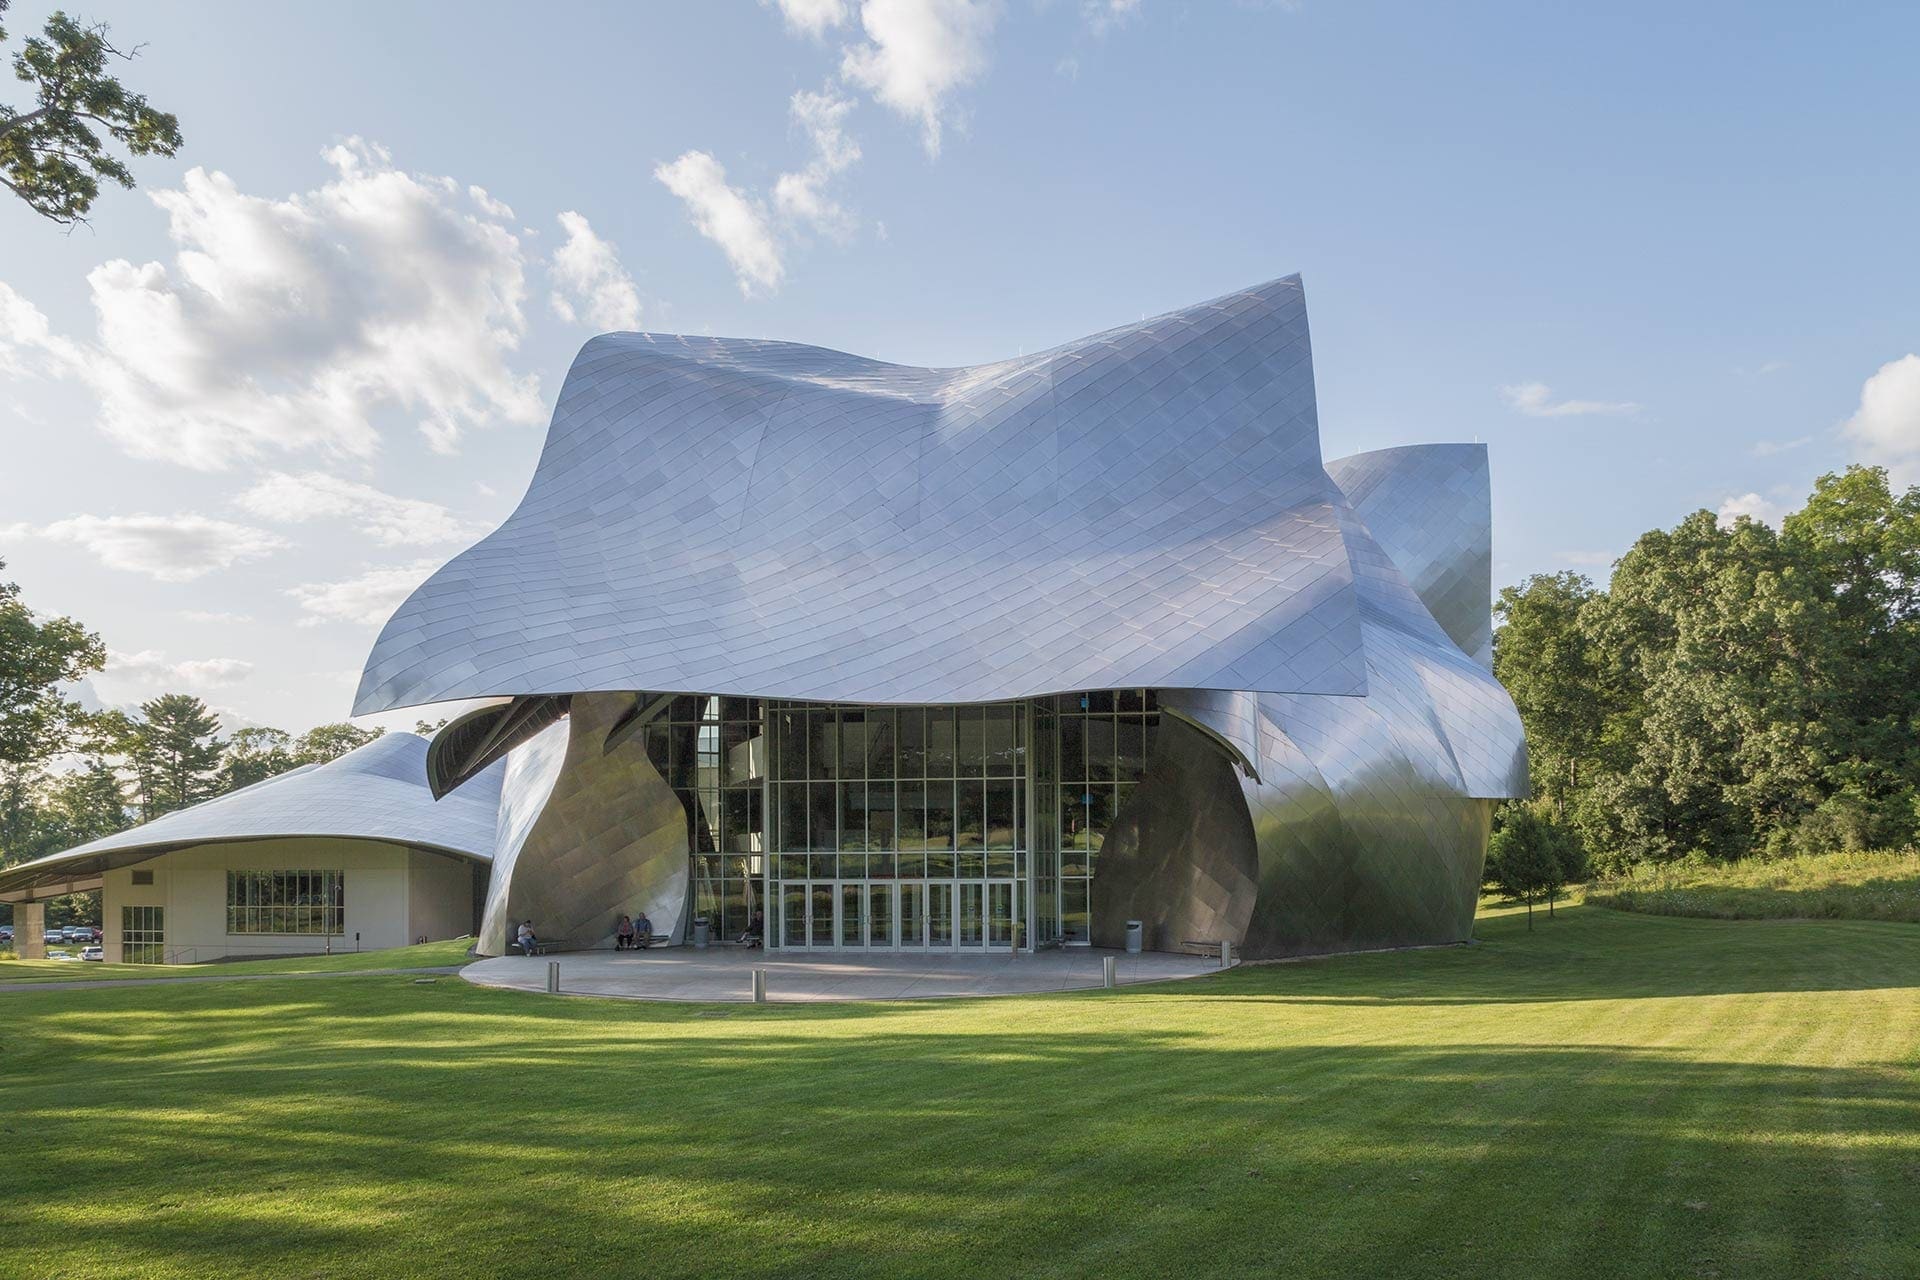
(375,792)
(1144,507)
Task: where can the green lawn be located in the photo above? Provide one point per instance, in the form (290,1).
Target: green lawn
(425,956)
(1610,1095)
(1883,885)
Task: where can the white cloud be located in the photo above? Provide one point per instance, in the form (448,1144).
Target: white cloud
(368,599)
(150,668)
(802,196)
(589,282)
(288,324)
(1535,399)
(176,548)
(1768,448)
(918,53)
(724,215)
(27,341)
(1886,426)
(813,17)
(315,495)
(216,617)
(1752,505)
(1102,16)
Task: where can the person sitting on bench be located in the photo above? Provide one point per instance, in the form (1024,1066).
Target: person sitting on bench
(643,931)
(623,933)
(528,943)
(756,930)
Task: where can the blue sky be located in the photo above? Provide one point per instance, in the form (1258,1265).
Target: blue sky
(1652,255)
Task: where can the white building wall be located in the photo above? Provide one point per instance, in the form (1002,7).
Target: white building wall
(383,896)
(439,897)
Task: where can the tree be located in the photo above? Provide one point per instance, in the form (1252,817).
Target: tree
(254,755)
(173,752)
(52,154)
(1549,666)
(37,659)
(331,741)
(1525,855)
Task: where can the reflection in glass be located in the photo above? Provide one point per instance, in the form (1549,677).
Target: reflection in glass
(940,745)
(880,739)
(852,926)
(999,741)
(793,916)
(913,742)
(820,811)
(913,915)
(972,915)
(940,915)
(970,760)
(822,743)
(1100,748)
(970,822)
(999,915)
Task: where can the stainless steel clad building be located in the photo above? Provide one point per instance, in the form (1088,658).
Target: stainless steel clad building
(975,658)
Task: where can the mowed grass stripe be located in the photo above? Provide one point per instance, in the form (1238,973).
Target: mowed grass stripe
(1606,1095)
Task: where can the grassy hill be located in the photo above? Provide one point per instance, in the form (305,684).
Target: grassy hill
(1610,1095)
(1882,885)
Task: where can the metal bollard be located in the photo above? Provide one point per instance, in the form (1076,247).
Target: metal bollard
(1110,967)
(1226,954)
(759,986)
(553,977)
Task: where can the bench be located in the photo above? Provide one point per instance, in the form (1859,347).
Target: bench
(1209,947)
(651,940)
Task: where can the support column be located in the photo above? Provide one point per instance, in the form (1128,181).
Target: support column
(30,930)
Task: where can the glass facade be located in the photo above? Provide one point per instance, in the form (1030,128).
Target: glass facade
(1105,739)
(713,753)
(907,827)
(143,935)
(286,902)
(900,807)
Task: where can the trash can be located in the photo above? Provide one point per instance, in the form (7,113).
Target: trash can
(701,930)
(1135,932)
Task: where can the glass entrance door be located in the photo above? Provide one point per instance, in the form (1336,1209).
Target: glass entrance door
(1000,919)
(880,915)
(973,916)
(853,925)
(913,916)
(939,914)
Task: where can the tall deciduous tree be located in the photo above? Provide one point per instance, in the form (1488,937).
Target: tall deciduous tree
(37,659)
(1734,690)
(52,152)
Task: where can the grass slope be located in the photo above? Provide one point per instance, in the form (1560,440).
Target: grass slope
(425,956)
(1830,886)
(1610,1095)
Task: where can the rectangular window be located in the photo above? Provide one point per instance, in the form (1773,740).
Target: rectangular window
(286,902)
(143,935)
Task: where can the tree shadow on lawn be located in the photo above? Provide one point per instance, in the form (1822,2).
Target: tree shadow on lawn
(923,1150)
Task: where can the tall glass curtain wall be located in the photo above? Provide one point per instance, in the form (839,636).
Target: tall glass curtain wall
(900,826)
(713,753)
(1104,741)
(935,826)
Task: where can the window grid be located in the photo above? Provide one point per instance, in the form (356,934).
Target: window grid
(143,935)
(712,751)
(882,793)
(1105,739)
(286,902)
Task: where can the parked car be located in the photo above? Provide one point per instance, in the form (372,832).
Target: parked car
(93,953)
(6,933)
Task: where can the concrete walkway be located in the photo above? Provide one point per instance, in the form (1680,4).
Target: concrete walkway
(725,973)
